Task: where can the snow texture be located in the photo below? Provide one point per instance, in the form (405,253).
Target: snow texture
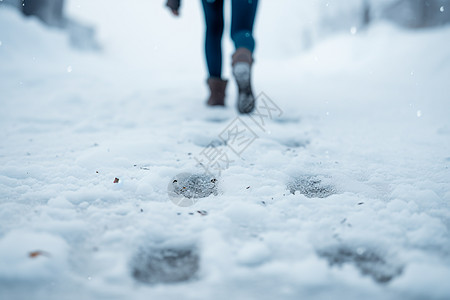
(342,194)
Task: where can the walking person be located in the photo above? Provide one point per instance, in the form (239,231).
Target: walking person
(242,18)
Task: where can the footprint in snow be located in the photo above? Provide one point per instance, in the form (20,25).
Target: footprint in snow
(184,189)
(295,143)
(206,142)
(312,186)
(368,261)
(165,265)
(287,120)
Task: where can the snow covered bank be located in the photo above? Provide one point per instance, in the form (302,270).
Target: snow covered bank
(346,195)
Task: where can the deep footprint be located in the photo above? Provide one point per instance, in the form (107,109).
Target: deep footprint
(367,261)
(166,265)
(312,186)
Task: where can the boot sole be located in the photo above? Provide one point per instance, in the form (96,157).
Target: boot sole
(246,100)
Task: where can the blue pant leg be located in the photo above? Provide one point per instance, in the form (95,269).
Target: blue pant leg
(213,40)
(242,19)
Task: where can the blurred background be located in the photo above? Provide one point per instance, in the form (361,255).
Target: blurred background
(314,19)
(141,37)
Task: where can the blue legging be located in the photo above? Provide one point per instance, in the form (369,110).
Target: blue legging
(242,17)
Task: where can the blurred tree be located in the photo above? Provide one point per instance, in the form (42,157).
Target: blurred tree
(417,13)
(49,11)
(336,15)
(367,18)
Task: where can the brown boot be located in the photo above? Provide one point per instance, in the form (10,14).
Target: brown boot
(242,55)
(217,88)
(242,63)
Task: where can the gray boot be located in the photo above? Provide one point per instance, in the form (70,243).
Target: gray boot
(242,63)
(217,88)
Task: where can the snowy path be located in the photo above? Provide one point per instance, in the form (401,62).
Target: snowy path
(365,125)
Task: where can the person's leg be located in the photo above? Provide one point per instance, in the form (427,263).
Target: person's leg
(243,16)
(242,19)
(213,41)
(213,50)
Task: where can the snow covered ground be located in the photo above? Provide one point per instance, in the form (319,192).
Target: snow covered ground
(363,141)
